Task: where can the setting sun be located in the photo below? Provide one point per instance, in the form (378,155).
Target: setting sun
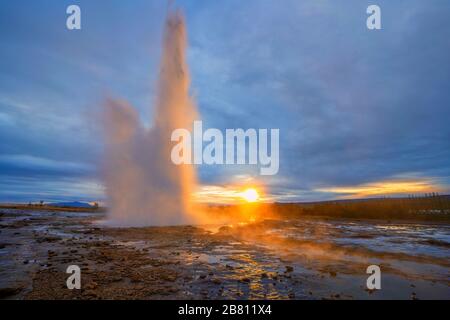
(250,195)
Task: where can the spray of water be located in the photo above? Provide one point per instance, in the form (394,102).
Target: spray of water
(143,186)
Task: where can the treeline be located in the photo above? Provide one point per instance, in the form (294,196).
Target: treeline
(429,207)
(45,207)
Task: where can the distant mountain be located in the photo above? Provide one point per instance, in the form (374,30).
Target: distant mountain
(74,204)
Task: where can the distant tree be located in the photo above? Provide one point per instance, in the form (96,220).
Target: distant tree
(41,203)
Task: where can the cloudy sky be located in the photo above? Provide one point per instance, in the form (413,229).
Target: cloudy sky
(360,112)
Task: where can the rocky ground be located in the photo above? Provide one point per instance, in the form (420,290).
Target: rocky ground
(256,261)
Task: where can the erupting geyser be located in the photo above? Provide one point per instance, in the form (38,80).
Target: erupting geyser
(143,186)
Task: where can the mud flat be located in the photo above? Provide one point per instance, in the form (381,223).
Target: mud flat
(272,259)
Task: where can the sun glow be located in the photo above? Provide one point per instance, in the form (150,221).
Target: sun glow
(244,191)
(250,195)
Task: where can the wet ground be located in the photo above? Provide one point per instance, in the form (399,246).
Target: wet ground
(296,259)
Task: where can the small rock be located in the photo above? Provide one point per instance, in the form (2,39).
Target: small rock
(91,286)
(51,253)
(8,292)
(90,293)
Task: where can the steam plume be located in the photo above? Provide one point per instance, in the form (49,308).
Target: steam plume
(143,186)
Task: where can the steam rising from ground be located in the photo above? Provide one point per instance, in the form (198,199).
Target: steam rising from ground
(143,186)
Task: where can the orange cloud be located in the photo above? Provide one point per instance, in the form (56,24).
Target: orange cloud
(389,187)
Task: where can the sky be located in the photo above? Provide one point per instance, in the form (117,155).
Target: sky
(361,112)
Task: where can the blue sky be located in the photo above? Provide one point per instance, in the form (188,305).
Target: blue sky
(356,108)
